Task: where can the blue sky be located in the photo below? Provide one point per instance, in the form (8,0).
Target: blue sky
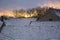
(17,4)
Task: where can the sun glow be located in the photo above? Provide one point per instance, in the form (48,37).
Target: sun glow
(15,15)
(7,13)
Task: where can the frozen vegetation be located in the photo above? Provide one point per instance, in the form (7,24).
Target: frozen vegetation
(22,29)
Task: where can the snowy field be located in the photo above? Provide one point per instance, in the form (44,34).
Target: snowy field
(21,29)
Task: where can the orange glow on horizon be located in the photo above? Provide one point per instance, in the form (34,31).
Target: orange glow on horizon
(15,15)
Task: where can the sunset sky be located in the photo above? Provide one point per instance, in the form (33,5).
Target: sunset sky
(17,4)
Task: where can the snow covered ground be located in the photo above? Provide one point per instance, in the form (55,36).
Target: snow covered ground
(21,29)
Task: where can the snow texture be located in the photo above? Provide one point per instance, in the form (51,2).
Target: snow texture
(22,29)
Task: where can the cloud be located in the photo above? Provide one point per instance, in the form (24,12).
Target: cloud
(17,4)
(51,3)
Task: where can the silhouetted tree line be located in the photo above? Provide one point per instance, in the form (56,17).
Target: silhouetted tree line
(40,11)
